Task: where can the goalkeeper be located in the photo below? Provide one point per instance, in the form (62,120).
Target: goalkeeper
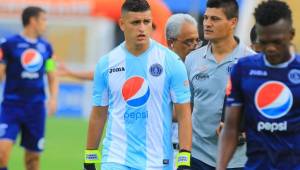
(135,86)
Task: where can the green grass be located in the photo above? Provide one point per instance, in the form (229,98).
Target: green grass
(64,147)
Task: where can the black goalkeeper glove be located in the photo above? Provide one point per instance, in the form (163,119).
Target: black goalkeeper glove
(183,160)
(89,166)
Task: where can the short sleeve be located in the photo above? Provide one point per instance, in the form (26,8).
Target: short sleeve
(179,83)
(100,88)
(235,95)
(50,51)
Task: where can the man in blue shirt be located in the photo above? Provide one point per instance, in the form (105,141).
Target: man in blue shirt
(25,58)
(265,89)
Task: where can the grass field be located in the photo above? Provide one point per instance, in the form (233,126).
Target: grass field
(64,147)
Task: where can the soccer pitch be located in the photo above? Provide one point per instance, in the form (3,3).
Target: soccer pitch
(64,147)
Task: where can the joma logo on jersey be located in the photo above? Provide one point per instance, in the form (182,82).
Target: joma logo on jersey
(117,69)
(258,73)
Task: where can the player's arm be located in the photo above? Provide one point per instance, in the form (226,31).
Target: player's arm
(98,115)
(183,112)
(2,71)
(180,95)
(97,121)
(81,75)
(229,136)
(96,124)
(233,114)
(2,63)
(53,85)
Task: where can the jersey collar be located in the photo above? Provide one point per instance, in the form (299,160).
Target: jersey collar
(281,65)
(30,40)
(230,58)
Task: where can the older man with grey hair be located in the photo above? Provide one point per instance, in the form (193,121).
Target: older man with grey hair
(182,37)
(182,34)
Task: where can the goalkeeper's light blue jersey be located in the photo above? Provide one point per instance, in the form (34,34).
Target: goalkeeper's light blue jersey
(139,92)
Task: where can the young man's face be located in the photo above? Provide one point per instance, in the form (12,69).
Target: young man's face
(186,41)
(275,40)
(137,27)
(216,25)
(39,23)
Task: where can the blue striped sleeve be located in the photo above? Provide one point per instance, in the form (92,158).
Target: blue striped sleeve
(179,84)
(100,88)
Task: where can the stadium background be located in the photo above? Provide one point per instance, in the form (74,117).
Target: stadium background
(81,31)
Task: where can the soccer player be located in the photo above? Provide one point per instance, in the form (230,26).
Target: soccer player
(135,86)
(208,71)
(182,37)
(25,58)
(266,91)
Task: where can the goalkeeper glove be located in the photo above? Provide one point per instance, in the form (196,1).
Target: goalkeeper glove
(183,160)
(89,166)
(91,157)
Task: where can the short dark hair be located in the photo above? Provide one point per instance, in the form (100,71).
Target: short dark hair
(135,6)
(231,7)
(253,35)
(31,11)
(270,12)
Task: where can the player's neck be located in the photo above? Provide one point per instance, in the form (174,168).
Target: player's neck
(137,50)
(223,47)
(30,33)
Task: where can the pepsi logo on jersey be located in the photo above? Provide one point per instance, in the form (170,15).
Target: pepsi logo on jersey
(31,61)
(273,100)
(135,91)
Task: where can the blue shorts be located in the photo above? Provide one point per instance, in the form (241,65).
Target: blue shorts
(27,118)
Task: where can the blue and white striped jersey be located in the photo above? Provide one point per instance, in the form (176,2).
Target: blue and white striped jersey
(139,92)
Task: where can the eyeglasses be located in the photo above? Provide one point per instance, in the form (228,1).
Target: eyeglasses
(195,42)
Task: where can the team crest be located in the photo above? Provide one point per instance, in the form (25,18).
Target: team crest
(41,47)
(229,68)
(294,76)
(156,70)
